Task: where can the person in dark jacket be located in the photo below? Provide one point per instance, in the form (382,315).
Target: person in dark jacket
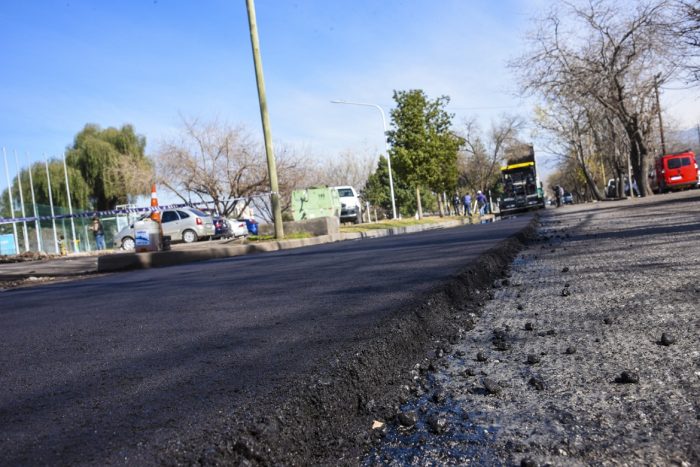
(99,233)
(456,203)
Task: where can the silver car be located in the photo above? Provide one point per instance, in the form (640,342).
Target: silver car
(186,224)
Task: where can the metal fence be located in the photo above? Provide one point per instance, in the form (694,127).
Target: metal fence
(52,234)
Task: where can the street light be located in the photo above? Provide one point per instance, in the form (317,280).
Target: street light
(386,144)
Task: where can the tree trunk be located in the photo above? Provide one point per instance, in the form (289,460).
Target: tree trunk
(441,205)
(620,185)
(418,204)
(639,155)
(595,191)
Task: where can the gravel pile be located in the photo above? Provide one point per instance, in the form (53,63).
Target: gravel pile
(588,353)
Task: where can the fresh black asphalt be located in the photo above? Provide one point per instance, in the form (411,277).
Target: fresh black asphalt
(106,370)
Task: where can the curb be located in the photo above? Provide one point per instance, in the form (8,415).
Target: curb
(128,261)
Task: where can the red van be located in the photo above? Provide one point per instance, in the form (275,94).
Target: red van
(673,171)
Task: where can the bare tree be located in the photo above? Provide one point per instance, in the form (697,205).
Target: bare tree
(573,127)
(480,157)
(349,168)
(213,162)
(687,33)
(596,50)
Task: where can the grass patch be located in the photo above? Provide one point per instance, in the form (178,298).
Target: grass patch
(268,238)
(391,224)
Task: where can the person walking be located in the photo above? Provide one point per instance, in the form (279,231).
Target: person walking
(456,203)
(558,193)
(99,233)
(481,202)
(467,204)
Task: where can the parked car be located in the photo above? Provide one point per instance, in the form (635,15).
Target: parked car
(349,205)
(182,224)
(222,227)
(238,228)
(611,188)
(568,198)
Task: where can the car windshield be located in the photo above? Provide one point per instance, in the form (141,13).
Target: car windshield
(345,192)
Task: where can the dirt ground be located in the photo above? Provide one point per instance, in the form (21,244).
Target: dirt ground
(588,354)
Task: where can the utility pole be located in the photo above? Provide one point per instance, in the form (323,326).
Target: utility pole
(658,108)
(271,164)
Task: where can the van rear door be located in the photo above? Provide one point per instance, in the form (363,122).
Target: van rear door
(680,169)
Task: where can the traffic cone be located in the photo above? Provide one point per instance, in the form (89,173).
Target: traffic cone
(155,215)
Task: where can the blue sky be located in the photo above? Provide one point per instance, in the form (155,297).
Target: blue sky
(67,63)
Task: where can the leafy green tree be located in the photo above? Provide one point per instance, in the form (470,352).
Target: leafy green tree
(113,164)
(378,193)
(423,148)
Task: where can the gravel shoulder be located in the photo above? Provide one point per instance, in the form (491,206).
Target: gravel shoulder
(567,365)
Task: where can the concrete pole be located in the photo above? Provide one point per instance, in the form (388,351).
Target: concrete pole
(53,214)
(70,205)
(37,224)
(271,163)
(25,233)
(12,204)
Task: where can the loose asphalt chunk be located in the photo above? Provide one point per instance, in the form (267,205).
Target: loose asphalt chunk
(408,419)
(627,377)
(437,423)
(666,340)
(492,386)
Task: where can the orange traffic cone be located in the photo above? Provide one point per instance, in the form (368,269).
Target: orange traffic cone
(155,215)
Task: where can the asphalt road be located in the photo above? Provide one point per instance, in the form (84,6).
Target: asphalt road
(108,369)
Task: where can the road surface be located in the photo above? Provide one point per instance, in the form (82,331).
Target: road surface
(112,369)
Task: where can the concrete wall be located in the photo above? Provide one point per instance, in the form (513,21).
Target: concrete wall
(316,227)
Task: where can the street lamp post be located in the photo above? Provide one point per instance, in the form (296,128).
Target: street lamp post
(386,145)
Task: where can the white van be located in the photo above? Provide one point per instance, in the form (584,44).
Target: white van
(349,205)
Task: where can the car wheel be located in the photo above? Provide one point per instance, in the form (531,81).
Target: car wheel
(128,243)
(189,236)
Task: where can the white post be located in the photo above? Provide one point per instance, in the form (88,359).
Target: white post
(70,206)
(53,215)
(386,146)
(37,224)
(88,247)
(12,204)
(21,202)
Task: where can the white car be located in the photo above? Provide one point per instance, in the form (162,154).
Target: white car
(349,205)
(186,224)
(238,228)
